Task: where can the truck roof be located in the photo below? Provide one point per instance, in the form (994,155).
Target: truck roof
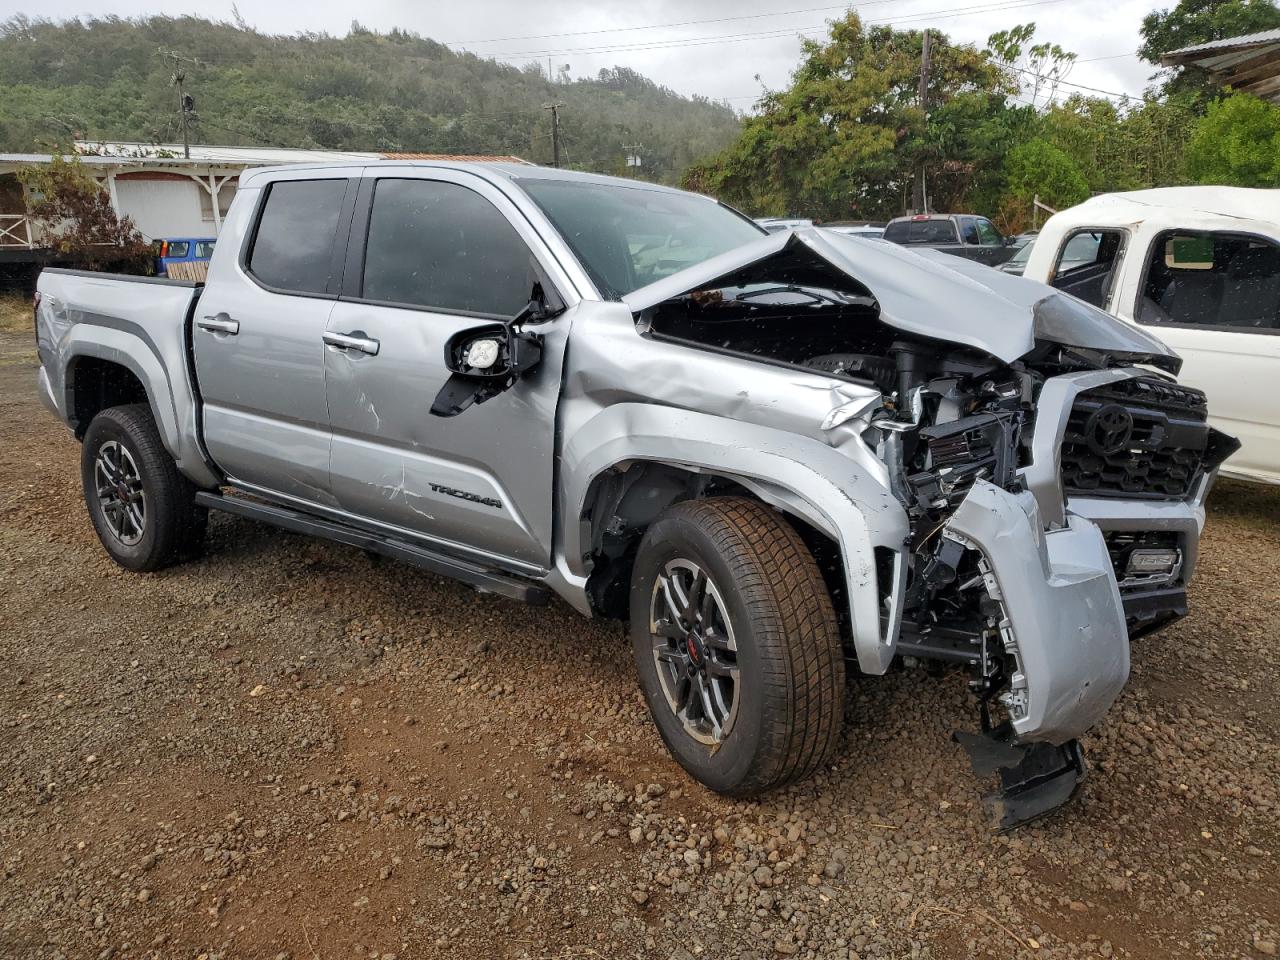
(489,171)
(1168,203)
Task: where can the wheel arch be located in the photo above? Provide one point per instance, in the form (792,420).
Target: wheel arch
(823,491)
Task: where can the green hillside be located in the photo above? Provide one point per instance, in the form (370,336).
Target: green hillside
(110,79)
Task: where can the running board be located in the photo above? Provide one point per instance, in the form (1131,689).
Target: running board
(295,521)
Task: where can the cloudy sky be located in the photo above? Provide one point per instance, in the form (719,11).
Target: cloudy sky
(716,48)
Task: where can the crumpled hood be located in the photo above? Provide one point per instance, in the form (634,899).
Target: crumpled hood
(935,295)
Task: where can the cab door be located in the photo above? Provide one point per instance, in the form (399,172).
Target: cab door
(258,332)
(1214,297)
(445,251)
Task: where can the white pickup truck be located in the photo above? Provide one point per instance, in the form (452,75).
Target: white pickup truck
(1200,268)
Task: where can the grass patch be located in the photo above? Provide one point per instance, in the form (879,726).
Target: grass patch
(15,313)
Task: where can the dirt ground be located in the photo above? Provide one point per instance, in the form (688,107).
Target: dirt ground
(287,750)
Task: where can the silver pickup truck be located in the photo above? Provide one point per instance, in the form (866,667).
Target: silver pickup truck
(782,458)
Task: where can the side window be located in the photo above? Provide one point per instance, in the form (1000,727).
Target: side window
(440,245)
(969,230)
(1087,264)
(988,234)
(293,246)
(177,249)
(1206,279)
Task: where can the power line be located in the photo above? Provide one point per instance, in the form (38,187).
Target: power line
(658,26)
(771,34)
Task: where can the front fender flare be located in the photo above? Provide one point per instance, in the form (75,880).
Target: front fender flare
(825,486)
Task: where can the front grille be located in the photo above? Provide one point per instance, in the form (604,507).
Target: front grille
(1140,438)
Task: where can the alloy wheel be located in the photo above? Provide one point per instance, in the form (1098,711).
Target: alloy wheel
(118,485)
(694,651)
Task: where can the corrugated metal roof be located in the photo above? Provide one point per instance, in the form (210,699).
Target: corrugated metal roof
(454,157)
(1230,43)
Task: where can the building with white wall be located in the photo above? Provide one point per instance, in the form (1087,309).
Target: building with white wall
(167,194)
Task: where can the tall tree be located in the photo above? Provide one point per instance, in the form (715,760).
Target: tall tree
(843,140)
(1199,21)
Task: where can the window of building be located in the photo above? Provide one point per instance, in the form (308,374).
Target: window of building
(443,246)
(1206,279)
(293,245)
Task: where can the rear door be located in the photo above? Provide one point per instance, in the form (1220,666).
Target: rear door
(445,251)
(258,337)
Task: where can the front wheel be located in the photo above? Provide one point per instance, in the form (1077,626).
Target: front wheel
(736,645)
(142,508)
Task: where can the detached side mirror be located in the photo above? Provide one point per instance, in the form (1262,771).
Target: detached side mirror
(485,361)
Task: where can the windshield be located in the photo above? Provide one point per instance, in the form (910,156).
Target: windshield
(629,237)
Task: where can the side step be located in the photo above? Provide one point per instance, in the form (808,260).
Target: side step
(295,521)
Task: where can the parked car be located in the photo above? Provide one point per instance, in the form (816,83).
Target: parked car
(779,224)
(798,452)
(860,229)
(183,250)
(961,234)
(1200,266)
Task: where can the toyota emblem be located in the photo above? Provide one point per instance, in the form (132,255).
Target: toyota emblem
(1109,430)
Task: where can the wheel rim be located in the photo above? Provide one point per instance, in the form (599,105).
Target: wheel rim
(694,651)
(118,484)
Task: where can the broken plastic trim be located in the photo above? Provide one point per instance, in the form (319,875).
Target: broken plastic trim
(1036,779)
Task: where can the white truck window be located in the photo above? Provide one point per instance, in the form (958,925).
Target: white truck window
(1087,263)
(1226,281)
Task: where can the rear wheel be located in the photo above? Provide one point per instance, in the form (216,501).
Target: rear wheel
(737,645)
(142,508)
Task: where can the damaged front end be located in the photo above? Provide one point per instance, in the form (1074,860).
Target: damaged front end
(979,375)
(1032,612)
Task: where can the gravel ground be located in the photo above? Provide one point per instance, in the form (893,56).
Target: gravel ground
(289,750)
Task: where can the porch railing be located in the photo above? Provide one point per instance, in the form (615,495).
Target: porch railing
(15,230)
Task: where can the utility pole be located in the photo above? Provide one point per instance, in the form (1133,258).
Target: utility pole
(921,198)
(185,103)
(555,130)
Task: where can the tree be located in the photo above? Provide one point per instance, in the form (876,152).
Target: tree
(844,139)
(1037,168)
(1237,143)
(1199,21)
(1040,66)
(76,215)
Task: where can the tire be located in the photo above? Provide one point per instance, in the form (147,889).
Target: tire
(768,600)
(161,522)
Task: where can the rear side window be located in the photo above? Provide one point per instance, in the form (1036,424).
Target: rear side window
(442,246)
(1220,280)
(921,231)
(293,246)
(177,249)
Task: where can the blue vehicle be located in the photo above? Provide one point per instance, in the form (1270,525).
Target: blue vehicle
(183,250)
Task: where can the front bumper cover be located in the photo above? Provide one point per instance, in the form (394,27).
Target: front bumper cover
(1063,619)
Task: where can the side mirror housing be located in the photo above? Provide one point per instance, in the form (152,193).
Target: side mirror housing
(485,361)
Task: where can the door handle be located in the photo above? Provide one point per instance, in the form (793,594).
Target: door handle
(219,324)
(353,341)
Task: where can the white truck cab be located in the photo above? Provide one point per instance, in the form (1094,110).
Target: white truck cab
(1200,267)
